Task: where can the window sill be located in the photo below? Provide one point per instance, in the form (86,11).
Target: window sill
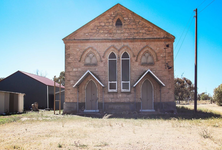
(126,91)
(112,91)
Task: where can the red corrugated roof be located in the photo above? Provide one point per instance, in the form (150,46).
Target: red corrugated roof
(41,79)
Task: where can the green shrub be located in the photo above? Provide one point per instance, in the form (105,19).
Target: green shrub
(59,145)
(218,95)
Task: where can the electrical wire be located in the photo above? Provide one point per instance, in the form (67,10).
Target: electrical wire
(201,3)
(206,6)
(183,40)
(184,30)
(189,28)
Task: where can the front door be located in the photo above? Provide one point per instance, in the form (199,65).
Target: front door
(91,97)
(147,96)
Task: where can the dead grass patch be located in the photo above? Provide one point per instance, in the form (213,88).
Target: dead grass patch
(184,130)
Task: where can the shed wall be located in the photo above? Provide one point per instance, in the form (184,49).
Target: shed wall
(51,97)
(34,90)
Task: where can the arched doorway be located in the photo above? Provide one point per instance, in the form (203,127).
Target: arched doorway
(91,104)
(147,96)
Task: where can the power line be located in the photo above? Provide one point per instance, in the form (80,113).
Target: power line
(189,28)
(183,39)
(201,3)
(206,6)
(184,30)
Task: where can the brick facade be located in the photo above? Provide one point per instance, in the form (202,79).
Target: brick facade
(136,36)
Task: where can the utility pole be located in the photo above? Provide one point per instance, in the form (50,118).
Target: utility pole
(195,93)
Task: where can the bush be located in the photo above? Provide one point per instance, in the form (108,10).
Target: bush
(218,95)
(204,96)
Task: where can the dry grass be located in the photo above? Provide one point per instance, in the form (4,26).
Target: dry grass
(206,107)
(47,131)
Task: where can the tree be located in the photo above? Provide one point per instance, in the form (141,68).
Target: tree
(184,89)
(218,95)
(39,73)
(62,77)
(204,96)
(1,79)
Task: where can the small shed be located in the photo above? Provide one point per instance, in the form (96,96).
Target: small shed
(36,88)
(11,102)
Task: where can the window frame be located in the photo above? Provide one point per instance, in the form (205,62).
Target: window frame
(109,82)
(122,82)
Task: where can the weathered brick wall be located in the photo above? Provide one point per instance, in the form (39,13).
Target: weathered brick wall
(102,37)
(75,68)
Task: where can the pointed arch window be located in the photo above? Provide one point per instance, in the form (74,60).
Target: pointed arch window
(112,83)
(90,59)
(119,23)
(125,72)
(147,59)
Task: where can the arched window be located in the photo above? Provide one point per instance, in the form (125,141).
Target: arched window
(125,71)
(112,83)
(90,59)
(147,59)
(118,23)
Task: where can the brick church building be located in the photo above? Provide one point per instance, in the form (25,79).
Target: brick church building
(119,62)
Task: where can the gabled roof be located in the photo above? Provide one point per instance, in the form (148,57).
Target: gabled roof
(153,75)
(41,79)
(84,76)
(96,28)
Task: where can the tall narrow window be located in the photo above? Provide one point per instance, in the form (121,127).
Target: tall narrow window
(112,83)
(125,67)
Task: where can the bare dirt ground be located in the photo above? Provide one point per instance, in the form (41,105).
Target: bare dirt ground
(44,130)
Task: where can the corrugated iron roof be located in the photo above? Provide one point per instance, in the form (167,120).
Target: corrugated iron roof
(41,79)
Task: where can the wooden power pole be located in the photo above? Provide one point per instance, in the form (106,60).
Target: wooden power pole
(195,82)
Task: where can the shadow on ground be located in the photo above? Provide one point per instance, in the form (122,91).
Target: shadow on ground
(182,113)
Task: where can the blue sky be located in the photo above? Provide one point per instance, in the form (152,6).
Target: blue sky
(31,33)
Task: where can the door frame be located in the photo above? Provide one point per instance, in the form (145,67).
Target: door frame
(147,110)
(96,110)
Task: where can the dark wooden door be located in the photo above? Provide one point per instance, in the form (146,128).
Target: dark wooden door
(147,95)
(11,102)
(91,96)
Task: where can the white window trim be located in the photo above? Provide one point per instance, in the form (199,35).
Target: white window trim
(112,90)
(125,90)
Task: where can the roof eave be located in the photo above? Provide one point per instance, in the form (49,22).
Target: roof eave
(84,75)
(149,71)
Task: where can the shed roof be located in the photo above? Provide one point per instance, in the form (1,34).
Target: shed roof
(152,74)
(41,79)
(84,76)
